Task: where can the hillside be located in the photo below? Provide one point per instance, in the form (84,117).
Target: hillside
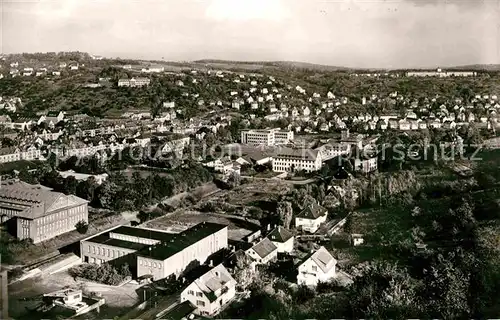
(271,64)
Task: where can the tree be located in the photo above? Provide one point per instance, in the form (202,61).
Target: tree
(285,211)
(383,291)
(82,226)
(86,189)
(69,185)
(234,180)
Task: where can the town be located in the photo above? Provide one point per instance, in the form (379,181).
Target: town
(134,189)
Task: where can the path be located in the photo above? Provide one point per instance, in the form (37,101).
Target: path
(294,182)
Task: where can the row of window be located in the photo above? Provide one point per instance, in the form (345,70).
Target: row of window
(133,239)
(198,294)
(106,252)
(62,215)
(151,264)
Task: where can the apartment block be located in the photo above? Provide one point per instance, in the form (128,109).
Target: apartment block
(268,137)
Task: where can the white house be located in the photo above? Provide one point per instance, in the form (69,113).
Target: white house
(282,239)
(311,218)
(317,267)
(262,252)
(211,292)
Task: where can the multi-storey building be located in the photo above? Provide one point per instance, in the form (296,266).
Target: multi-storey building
(134,82)
(268,137)
(40,213)
(16,154)
(291,160)
(153,252)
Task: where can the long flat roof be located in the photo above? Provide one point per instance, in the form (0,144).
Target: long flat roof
(143,233)
(106,240)
(181,241)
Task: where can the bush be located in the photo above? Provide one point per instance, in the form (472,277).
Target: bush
(82,226)
(104,273)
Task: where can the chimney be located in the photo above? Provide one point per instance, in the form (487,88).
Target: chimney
(268,227)
(279,228)
(211,263)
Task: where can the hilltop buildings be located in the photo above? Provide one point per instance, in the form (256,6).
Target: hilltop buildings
(134,82)
(440,73)
(40,213)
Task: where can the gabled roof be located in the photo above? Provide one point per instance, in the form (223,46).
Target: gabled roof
(264,248)
(279,234)
(322,258)
(53,114)
(35,200)
(299,154)
(214,280)
(313,211)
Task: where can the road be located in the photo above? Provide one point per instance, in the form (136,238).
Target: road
(294,182)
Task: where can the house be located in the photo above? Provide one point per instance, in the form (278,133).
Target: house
(311,218)
(356,239)
(282,239)
(54,117)
(319,266)
(211,292)
(263,252)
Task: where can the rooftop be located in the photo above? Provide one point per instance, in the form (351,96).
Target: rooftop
(35,200)
(279,234)
(312,211)
(214,280)
(181,241)
(105,239)
(323,258)
(299,154)
(264,247)
(144,233)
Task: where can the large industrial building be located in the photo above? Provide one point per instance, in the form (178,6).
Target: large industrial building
(154,252)
(267,137)
(38,213)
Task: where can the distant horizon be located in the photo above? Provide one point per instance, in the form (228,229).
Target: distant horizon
(124,57)
(377,34)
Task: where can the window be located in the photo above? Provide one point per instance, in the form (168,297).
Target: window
(199,294)
(191,292)
(314,268)
(200,303)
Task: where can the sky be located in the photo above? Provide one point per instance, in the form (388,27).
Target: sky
(350,33)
